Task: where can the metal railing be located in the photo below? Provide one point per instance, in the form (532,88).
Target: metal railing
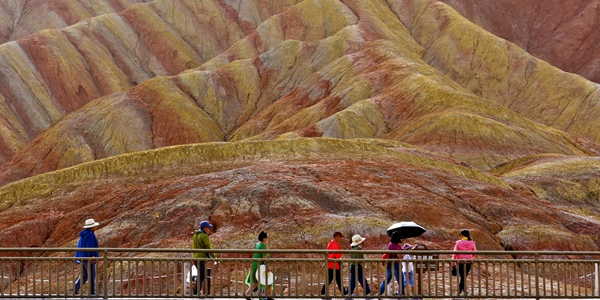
(162,273)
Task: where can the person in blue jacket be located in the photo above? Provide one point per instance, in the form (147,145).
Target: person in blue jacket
(87,239)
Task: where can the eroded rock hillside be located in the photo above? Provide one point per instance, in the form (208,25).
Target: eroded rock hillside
(293,117)
(562,33)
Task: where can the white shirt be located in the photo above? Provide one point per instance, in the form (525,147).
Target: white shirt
(407,266)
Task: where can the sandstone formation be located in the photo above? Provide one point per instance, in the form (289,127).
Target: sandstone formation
(563,33)
(294,117)
(528,86)
(275,93)
(20,18)
(108,54)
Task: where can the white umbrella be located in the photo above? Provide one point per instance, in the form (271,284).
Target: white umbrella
(406,229)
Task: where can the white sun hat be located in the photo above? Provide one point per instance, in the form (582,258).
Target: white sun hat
(263,277)
(357,239)
(89,223)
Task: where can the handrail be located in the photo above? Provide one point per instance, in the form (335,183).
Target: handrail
(297,251)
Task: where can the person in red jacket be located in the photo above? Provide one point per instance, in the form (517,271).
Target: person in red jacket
(465,243)
(334,266)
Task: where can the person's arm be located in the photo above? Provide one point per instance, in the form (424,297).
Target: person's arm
(455,256)
(208,245)
(95,245)
(337,255)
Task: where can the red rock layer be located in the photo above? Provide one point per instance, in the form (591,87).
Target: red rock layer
(297,190)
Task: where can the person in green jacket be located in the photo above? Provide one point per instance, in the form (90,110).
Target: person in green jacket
(251,279)
(202,241)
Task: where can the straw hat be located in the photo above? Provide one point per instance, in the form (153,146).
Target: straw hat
(357,239)
(263,277)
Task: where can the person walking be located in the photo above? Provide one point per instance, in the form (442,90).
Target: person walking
(251,279)
(408,275)
(333,268)
(394,245)
(87,239)
(201,240)
(356,267)
(465,243)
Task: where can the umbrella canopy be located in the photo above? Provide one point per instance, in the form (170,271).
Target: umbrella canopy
(406,229)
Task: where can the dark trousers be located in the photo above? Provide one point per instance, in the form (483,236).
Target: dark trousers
(84,276)
(388,278)
(201,267)
(463,270)
(354,271)
(338,279)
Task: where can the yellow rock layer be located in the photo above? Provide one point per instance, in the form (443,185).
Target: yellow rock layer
(213,157)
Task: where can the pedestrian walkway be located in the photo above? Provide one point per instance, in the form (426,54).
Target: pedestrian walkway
(298,274)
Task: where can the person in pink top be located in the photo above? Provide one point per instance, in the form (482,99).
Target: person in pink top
(334,266)
(465,243)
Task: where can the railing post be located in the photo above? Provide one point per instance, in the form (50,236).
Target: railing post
(105,275)
(596,281)
(326,267)
(537,277)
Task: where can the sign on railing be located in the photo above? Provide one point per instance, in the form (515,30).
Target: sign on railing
(425,262)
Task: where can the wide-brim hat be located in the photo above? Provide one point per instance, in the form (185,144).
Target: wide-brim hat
(264,277)
(357,239)
(89,223)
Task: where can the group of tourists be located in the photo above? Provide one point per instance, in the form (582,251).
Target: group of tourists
(404,278)
(461,262)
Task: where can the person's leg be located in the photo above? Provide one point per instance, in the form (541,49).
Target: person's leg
(338,280)
(404,283)
(269,292)
(467,269)
(83,278)
(329,280)
(353,278)
(399,278)
(411,281)
(388,278)
(251,289)
(202,277)
(93,278)
(462,273)
(363,280)
(77,285)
